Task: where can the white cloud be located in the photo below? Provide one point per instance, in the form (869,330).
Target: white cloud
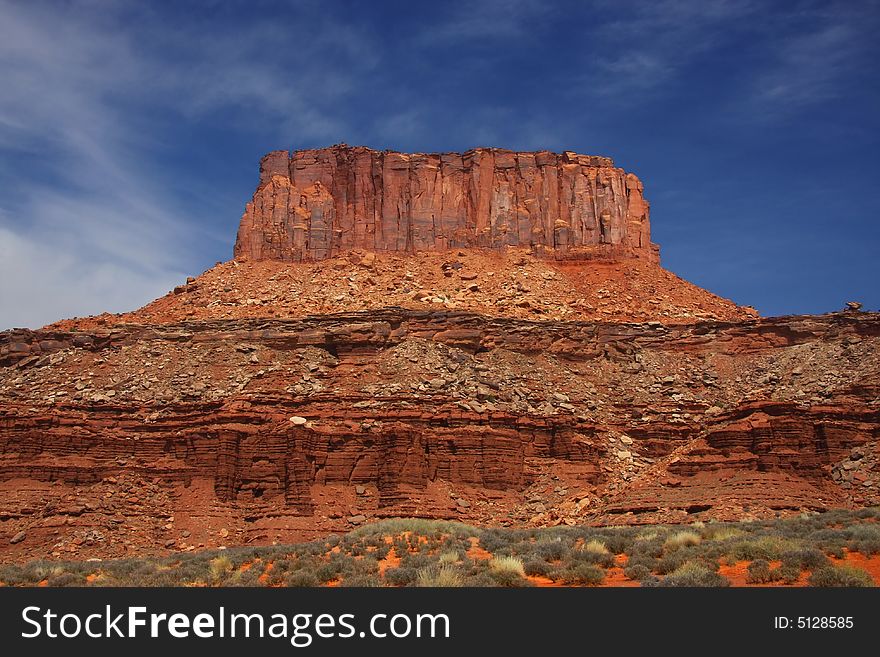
(87,223)
(656,41)
(811,66)
(43,281)
(477,20)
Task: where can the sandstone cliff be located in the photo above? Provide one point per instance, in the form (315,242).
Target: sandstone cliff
(144,438)
(315,204)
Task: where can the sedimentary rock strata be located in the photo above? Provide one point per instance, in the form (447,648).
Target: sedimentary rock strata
(486,336)
(316,204)
(282,429)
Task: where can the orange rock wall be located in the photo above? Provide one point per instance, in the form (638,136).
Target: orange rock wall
(315,204)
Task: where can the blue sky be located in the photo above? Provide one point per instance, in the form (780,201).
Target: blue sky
(130,132)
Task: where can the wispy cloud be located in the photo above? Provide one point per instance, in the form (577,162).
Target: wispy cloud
(816,62)
(484,20)
(653,42)
(88,225)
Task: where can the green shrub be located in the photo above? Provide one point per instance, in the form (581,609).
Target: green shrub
(592,552)
(537,567)
(401,576)
(67,579)
(443,576)
(720,532)
(301,578)
(327,572)
(219,568)
(550,550)
(768,548)
(694,573)
(636,572)
(509,578)
(843,575)
(595,547)
(787,572)
(759,572)
(584,574)
(806,558)
(507,565)
(360,580)
(643,560)
(682,539)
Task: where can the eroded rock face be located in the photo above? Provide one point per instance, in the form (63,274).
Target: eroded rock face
(141,438)
(315,204)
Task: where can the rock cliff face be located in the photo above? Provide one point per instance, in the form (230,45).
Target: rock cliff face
(315,204)
(348,366)
(146,438)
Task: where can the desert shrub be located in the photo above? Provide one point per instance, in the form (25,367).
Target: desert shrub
(327,572)
(416,561)
(768,548)
(495,540)
(507,565)
(67,579)
(830,541)
(673,561)
(721,532)
(450,556)
(586,574)
(508,578)
(868,547)
(618,542)
(361,580)
(13,576)
(806,558)
(301,578)
(249,577)
(482,579)
(787,572)
(843,575)
(444,576)
(637,572)
(401,576)
(537,567)
(865,538)
(595,546)
(694,573)
(649,547)
(591,552)
(550,550)
(219,568)
(682,539)
(759,572)
(642,560)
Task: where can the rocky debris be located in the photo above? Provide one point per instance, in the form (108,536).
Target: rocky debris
(853,306)
(509,283)
(349,367)
(442,414)
(859,473)
(315,204)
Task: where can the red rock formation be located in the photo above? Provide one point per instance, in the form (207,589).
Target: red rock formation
(491,386)
(315,204)
(269,427)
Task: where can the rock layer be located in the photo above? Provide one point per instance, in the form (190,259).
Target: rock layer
(285,429)
(315,204)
